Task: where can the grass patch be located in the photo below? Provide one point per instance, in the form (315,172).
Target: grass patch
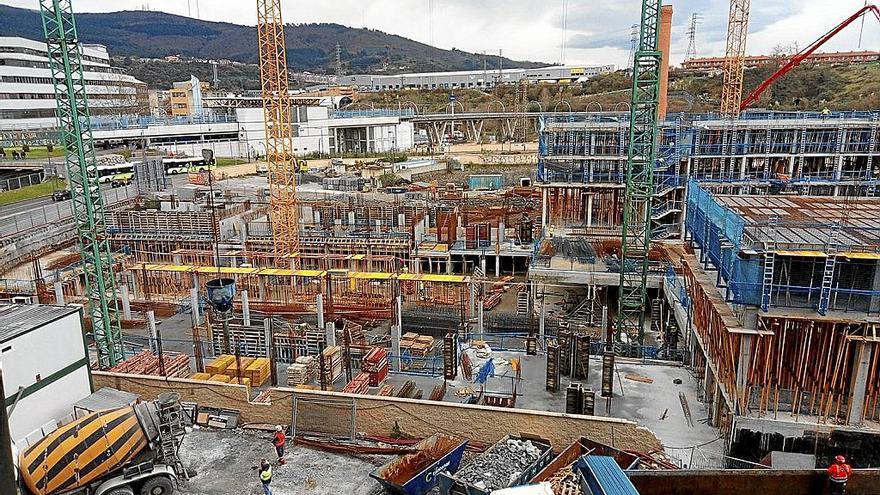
(36,152)
(226,162)
(31,192)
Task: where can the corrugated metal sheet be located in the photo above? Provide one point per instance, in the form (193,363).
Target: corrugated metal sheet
(603,476)
(18,319)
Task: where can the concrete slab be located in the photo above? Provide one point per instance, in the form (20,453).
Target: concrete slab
(225,464)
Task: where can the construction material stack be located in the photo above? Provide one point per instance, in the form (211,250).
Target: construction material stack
(171,364)
(258,371)
(360,384)
(302,371)
(375,364)
(332,365)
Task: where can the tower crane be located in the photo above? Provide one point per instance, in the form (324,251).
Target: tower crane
(735,57)
(284,210)
(802,55)
(65,62)
(641,158)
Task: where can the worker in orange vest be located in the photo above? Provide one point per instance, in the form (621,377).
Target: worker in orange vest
(279,440)
(838,475)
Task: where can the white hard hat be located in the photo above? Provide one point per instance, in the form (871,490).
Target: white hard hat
(278,428)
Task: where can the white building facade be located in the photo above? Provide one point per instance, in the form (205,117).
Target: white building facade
(475,79)
(45,366)
(27,96)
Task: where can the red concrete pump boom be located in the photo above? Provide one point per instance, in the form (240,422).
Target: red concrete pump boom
(805,53)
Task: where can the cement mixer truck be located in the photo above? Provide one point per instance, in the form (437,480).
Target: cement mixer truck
(124,451)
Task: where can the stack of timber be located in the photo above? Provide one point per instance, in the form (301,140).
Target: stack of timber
(386,391)
(417,345)
(302,371)
(147,363)
(360,384)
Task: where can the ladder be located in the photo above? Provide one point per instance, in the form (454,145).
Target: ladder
(830,265)
(657,316)
(171,432)
(769,265)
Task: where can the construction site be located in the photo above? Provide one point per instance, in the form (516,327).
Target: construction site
(636,302)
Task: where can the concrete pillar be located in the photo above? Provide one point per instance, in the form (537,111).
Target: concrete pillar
(501,237)
(545,195)
(742,369)
(245,308)
(449,265)
(59,294)
(480,319)
(194,303)
(151,326)
(401,220)
(261,287)
(319,301)
(77,286)
(471,300)
(664,46)
(589,210)
(126,301)
(396,331)
(541,320)
(864,356)
(483,263)
(497,265)
(875,299)
(330,334)
(351,219)
(267,336)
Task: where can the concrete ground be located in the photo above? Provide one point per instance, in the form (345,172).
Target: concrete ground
(656,406)
(225,464)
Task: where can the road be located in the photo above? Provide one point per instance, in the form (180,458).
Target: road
(27,214)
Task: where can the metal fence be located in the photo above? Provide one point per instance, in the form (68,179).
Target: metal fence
(22,181)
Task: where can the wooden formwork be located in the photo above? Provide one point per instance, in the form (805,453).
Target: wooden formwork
(795,365)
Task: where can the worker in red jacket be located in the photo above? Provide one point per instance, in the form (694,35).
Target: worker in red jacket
(279,440)
(838,475)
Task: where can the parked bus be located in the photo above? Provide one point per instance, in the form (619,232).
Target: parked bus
(116,174)
(193,164)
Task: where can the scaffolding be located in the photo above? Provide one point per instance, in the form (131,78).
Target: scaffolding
(790,251)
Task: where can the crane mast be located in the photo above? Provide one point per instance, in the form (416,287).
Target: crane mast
(641,158)
(735,57)
(277,109)
(65,61)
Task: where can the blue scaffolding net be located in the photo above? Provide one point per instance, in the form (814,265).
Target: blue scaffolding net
(718,232)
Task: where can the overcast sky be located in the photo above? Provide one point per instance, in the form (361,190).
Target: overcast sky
(598,30)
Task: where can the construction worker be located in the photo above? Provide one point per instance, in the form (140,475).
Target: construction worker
(279,440)
(826,112)
(265,476)
(838,475)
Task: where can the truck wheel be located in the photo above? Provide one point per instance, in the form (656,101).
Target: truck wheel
(122,490)
(159,485)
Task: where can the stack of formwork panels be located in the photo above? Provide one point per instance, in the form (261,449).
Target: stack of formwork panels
(375,364)
(258,371)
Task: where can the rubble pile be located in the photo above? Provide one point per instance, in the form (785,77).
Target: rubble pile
(500,466)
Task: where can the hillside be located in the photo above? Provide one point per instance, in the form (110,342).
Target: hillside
(809,88)
(310,47)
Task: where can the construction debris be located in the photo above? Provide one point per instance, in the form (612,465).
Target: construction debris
(503,465)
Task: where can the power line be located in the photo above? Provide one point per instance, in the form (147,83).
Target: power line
(696,17)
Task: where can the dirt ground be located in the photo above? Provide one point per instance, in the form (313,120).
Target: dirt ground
(225,464)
